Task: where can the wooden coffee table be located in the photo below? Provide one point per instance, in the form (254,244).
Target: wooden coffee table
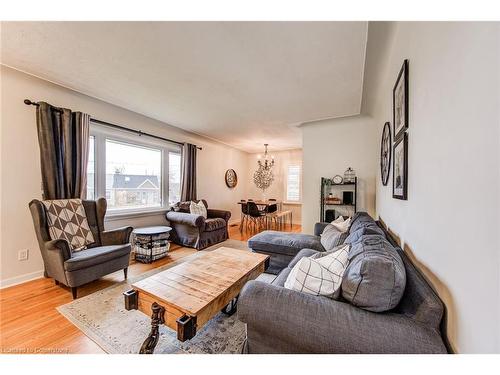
(188,295)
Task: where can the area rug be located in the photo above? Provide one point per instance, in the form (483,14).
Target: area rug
(102,317)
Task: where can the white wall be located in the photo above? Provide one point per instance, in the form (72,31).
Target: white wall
(450,222)
(20,165)
(330,147)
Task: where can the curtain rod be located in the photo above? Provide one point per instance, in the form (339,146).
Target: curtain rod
(105,123)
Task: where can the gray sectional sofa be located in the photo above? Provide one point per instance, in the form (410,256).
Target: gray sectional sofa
(406,317)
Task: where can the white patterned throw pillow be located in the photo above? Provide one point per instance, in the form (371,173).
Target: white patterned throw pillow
(343,225)
(198,209)
(319,277)
(340,219)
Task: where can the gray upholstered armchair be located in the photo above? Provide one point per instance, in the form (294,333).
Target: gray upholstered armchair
(194,230)
(109,253)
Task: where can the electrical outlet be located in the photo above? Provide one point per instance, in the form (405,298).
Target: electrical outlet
(22,254)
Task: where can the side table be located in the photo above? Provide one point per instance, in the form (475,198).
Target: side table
(151,243)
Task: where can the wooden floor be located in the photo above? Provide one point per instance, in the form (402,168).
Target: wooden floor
(30,323)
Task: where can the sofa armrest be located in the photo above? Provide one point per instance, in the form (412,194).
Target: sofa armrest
(222,214)
(311,324)
(192,220)
(301,254)
(58,248)
(319,227)
(117,236)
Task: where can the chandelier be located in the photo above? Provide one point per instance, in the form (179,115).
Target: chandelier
(263,176)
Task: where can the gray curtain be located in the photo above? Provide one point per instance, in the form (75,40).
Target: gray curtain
(63,137)
(188,190)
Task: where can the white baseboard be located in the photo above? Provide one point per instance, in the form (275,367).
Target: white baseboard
(21,279)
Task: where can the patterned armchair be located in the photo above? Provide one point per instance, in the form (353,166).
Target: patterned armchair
(193,230)
(109,252)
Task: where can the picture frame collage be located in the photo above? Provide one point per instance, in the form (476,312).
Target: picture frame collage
(400,141)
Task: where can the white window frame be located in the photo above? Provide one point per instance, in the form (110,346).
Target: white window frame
(102,133)
(299,200)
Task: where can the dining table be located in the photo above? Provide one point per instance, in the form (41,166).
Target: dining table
(262,204)
(265,203)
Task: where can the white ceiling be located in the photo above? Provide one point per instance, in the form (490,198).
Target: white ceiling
(242,83)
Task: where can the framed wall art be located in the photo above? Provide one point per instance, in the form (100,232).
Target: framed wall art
(400,168)
(400,102)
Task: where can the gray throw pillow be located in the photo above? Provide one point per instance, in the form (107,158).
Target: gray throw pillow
(360,218)
(375,278)
(332,237)
(355,235)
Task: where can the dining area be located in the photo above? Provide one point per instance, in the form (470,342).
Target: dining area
(260,214)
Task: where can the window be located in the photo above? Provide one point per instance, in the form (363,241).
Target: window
(129,171)
(133,175)
(174,177)
(293,183)
(91,170)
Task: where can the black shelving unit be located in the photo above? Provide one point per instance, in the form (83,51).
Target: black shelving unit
(328,186)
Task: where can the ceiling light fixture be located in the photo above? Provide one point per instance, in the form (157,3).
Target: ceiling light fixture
(263,176)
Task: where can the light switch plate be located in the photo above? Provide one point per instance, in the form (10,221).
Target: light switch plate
(23,254)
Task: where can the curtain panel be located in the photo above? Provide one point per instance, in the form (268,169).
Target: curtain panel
(63,137)
(188,185)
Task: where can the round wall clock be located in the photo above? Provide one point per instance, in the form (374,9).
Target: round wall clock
(337,180)
(231,178)
(385,153)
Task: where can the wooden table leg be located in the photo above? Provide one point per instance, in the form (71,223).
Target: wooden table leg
(157,318)
(186,327)
(231,307)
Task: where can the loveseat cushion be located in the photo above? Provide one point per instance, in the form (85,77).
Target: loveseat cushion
(375,278)
(96,255)
(214,224)
(284,243)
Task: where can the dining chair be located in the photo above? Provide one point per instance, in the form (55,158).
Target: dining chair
(244,215)
(255,215)
(271,211)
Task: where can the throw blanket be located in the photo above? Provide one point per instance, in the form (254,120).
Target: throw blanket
(68,221)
